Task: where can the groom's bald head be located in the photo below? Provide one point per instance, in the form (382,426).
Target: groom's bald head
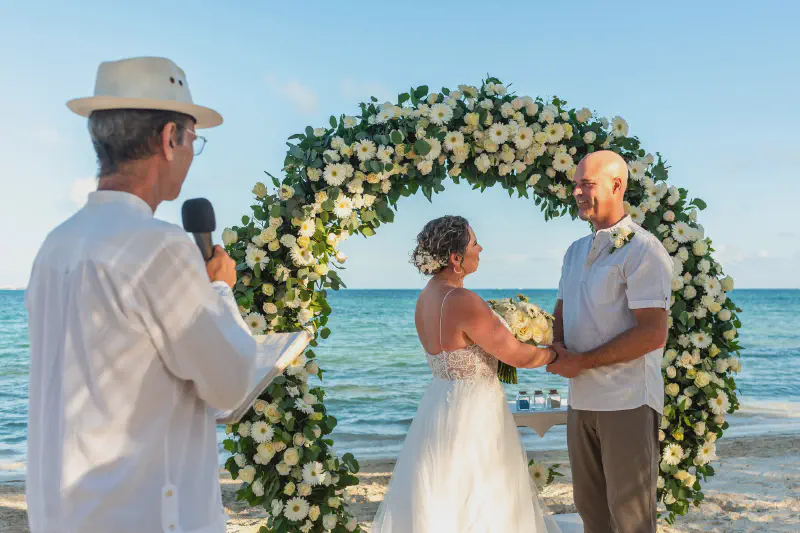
(600,182)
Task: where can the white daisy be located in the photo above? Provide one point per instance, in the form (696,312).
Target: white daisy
(302,256)
(706,453)
(498,134)
(712,286)
(256,322)
(538,473)
(384,154)
(562,162)
(523,138)
(365,150)
(673,454)
(555,132)
(261,431)
(296,509)
(637,169)
(681,232)
(343,206)
(256,256)
(314,473)
(619,127)
(335,174)
(453,140)
(303,407)
(440,114)
(720,404)
(701,339)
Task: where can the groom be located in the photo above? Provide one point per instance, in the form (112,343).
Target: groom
(610,330)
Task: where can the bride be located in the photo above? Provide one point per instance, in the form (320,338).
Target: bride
(462,468)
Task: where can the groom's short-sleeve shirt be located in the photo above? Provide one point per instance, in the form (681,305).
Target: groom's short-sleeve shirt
(600,290)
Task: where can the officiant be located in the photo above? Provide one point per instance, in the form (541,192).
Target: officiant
(134,339)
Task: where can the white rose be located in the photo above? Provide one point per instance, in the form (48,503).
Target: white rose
(351,524)
(727,284)
(314,513)
(700,248)
(329,521)
(247,474)
(291,456)
(673,389)
(730,334)
(589,137)
(283,469)
(671,372)
(229,237)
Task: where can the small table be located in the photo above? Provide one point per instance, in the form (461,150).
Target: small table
(539,421)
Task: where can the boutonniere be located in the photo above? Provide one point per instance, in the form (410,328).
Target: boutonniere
(620,237)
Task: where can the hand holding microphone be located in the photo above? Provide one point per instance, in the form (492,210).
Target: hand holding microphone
(198,219)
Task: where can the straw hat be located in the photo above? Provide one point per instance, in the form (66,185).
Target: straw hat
(144,83)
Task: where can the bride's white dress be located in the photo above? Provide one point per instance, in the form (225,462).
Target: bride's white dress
(462,468)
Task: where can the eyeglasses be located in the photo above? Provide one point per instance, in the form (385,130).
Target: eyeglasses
(198,148)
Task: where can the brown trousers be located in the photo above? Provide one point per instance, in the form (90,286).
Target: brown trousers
(614,457)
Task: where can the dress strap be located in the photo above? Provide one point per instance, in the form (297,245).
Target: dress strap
(441,315)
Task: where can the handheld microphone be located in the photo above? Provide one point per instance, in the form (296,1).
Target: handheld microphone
(198,219)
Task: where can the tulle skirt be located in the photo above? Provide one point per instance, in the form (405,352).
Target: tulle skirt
(462,468)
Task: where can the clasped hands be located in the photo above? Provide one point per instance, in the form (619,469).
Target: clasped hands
(568,364)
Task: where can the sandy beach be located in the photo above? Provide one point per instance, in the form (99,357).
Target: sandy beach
(757,489)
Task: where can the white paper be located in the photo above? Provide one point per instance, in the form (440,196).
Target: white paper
(275,353)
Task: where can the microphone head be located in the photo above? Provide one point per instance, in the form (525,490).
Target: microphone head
(198,216)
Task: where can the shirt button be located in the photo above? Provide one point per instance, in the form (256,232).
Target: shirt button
(169,493)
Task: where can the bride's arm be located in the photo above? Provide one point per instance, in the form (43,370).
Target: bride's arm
(482,326)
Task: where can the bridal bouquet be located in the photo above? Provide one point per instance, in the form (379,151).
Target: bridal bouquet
(529,324)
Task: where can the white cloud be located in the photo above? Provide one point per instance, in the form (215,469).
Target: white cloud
(303,98)
(360,91)
(80,189)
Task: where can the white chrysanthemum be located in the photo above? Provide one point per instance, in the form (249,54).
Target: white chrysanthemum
(681,232)
(365,150)
(619,127)
(256,322)
(562,162)
(261,431)
(453,140)
(256,256)
(343,206)
(440,114)
(314,473)
(673,454)
(720,404)
(296,509)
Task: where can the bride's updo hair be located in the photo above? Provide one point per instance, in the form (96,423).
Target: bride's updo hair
(438,239)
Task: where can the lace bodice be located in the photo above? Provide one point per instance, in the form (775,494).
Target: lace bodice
(469,362)
(465,363)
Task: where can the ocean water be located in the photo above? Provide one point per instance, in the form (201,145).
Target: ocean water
(376,371)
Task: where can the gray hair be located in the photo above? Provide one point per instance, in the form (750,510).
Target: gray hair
(437,240)
(123,135)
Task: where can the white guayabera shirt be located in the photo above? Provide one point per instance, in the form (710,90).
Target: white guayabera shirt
(600,290)
(130,349)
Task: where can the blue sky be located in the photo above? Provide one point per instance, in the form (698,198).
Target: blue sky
(712,86)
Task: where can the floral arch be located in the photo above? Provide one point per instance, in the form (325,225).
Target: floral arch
(346,179)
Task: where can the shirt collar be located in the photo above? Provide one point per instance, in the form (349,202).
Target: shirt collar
(626,221)
(105,197)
